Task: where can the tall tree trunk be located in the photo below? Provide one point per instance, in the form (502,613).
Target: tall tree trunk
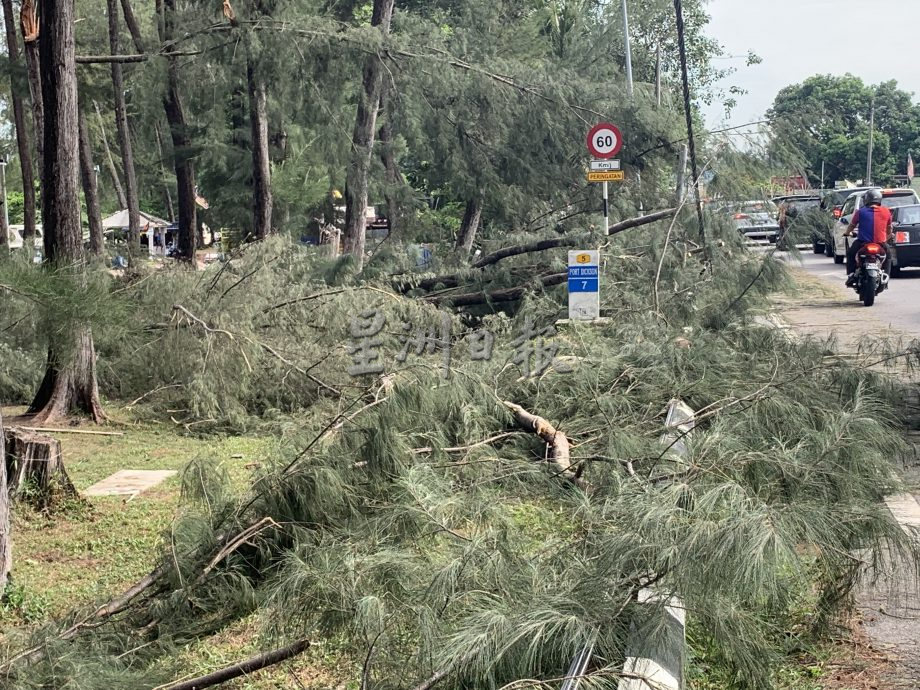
(132,25)
(110,161)
(6,543)
(394,179)
(185,171)
(261,164)
(362,141)
(70,379)
(468,227)
(167,194)
(29,26)
(88,177)
(19,119)
(124,132)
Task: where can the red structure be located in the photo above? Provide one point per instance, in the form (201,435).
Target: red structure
(790,185)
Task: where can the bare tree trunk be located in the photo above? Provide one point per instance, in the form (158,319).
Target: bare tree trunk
(110,161)
(185,171)
(29,25)
(22,133)
(468,227)
(88,177)
(261,164)
(70,379)
(133,27)
(124,132)
(6,542)
(167,194)
(394,180)
(362,142)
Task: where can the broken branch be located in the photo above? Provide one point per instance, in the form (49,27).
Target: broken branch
(243,668)
(504,295)
(559,453)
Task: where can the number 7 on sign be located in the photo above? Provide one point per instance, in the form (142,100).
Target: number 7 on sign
(584,285)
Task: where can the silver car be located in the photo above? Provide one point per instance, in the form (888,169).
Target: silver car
(754,219)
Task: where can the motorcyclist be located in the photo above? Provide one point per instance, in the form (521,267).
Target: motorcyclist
(872,223)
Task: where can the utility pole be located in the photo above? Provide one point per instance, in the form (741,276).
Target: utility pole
(5,219)
(629,75)
(822,174)
(658,76)
(871,143)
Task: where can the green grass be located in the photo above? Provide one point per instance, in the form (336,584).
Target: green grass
(87,551)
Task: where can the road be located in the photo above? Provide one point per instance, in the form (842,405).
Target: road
(824,306)
(895,308)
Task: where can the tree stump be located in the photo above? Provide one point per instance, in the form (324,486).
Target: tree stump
(35,469)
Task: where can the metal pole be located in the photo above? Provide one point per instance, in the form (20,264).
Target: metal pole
(606,219)
(6,207)
(822,174)
(629,76)
(871,143)
(658,76)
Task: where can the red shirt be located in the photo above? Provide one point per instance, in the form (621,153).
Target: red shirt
(873,222)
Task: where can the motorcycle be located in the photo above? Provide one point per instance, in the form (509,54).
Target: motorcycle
(870,278)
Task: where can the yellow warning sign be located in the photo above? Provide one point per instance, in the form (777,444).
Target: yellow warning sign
(607,176)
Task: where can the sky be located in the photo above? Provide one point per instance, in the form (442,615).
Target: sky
(801,38)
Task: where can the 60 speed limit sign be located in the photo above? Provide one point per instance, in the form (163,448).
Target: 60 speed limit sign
(604,140)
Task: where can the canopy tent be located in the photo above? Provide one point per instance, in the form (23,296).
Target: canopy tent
(119,220)
(153,230)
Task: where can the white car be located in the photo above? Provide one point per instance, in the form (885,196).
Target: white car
(16,241)
(891,198)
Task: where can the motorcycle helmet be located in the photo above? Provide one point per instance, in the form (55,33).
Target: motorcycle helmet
(873,196)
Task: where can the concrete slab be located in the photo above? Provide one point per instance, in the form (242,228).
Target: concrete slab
(128,482)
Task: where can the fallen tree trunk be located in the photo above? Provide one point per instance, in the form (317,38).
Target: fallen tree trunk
(35,471)
(251,665)
(542,245)
(503,295)
(559,453)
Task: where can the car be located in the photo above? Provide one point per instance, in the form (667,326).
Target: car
(833,199)
(15,236)
(753,219)
(891,198)
(798,211)
(905,251)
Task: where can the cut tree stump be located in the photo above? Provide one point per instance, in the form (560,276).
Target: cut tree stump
(35,469)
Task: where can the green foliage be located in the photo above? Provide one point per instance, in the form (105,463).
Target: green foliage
(826,119)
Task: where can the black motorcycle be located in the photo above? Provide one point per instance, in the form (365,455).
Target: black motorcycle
(870,279)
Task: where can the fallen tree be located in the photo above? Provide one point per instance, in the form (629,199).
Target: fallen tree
(503,295)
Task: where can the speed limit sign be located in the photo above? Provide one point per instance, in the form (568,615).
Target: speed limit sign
(604,140)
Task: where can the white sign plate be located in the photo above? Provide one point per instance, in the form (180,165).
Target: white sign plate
(584,285)
(613,164)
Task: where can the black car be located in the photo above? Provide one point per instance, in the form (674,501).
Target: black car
(906,247)
(798,219)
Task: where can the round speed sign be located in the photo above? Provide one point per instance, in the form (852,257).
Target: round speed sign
(604,140)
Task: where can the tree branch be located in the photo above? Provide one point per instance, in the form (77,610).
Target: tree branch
(558,443)
(251,665)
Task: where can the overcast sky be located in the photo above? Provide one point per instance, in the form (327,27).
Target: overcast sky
(800,38)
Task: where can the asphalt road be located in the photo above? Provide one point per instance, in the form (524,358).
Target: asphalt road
(897,307)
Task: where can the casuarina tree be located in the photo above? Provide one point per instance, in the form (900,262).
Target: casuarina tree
(69,384)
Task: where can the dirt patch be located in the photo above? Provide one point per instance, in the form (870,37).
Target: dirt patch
(858,664)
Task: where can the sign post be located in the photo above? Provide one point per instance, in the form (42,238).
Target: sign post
(604,142)
(584,285)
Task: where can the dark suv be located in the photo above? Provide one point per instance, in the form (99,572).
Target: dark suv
(798,220)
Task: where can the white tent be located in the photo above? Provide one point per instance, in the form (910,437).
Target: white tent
(149,225)
(119,220)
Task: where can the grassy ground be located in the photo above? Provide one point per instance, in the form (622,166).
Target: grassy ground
(89,551)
